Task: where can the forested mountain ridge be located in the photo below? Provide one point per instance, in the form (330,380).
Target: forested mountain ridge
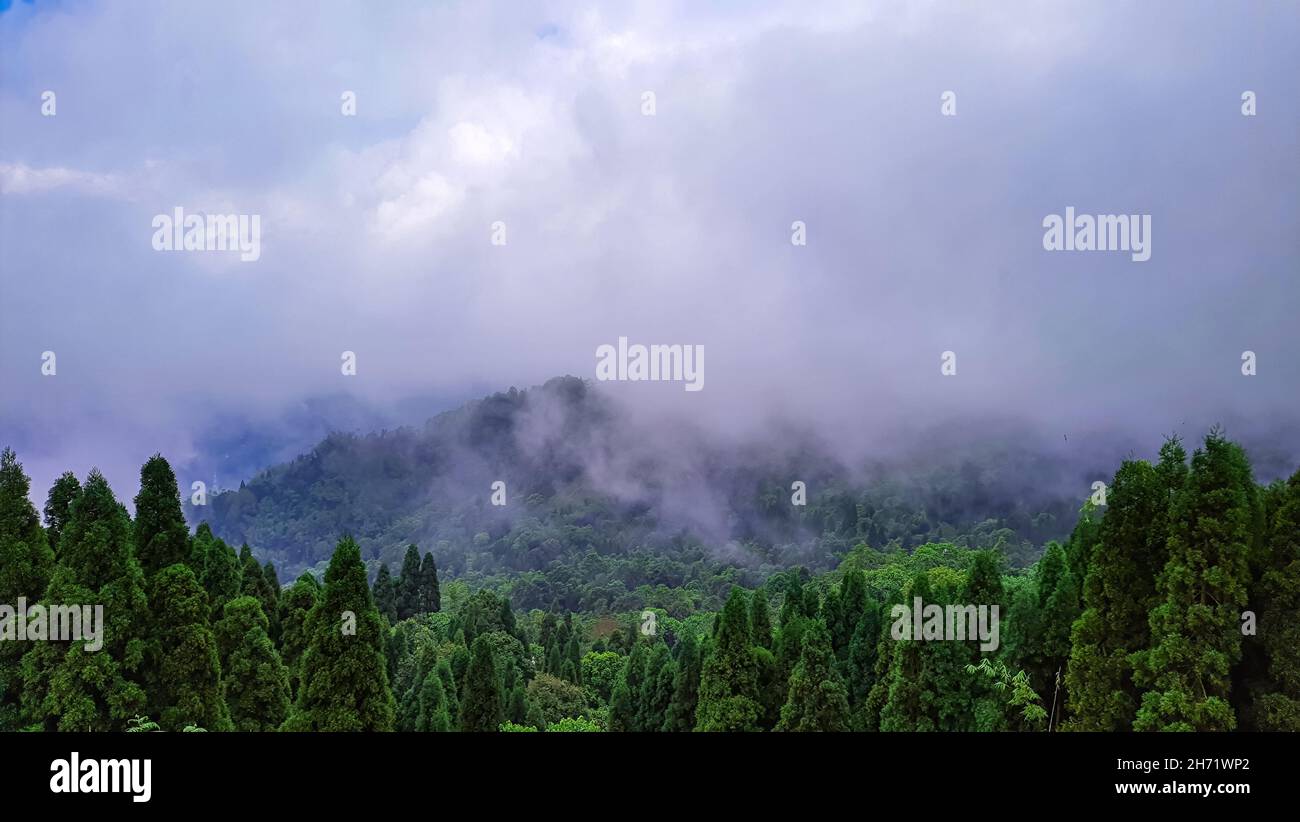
(597,507)
(1173,607)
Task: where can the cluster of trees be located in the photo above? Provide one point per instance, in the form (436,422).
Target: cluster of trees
(195,635)
(1176,606)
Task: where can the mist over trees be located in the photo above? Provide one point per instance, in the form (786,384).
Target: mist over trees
(1168,605)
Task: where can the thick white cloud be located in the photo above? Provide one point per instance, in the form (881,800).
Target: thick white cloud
(924,231)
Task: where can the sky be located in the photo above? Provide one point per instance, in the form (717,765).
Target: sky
(924,227)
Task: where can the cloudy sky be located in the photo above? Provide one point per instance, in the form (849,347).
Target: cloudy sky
(924,231)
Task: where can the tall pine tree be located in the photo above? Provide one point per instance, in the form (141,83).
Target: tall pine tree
(482,707)
(344,678)
(65,686)
(161,536)
(1196,629)
(818,700)
(26,562)
(1118,595)
(729,699)
(58,506)
(185,666)
(256,681)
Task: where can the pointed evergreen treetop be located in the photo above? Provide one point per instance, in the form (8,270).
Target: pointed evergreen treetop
(161,536)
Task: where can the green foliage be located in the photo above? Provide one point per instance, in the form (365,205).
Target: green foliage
(481,707)
(600,672)
(161,536)
(656,688)
(434,715)
(686,687)
(218,567)
(1020,697)
(256,681)
(1118,594)
(512,728)
(65,686)
(729,699)
(1135,621)
(185,666)
(576,724)
(295,608)
(344,679)
(625,703)
(1277,706)
(1196,628)
(555,698)
(817,700)
(26,562)
(141,724)
(760,621)
(385,593)
(407,588)
(58,506)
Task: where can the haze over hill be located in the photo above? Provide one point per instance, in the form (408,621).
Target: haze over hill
(586,473)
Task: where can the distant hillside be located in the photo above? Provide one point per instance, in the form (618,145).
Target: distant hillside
(598,507)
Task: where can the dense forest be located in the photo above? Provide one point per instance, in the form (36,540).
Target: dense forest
(599,521)
(1175,606)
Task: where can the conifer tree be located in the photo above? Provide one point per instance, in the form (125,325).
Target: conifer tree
(186,687)
(430,593)
(517,705)
(686,686)
(852,605)
(868,717)
(161,536)
(546,635)
(771,688)
(1119,593)
(625,703)
(26,563)
(789,643)
(1196,628)
(986,709)
(272,580)
(295,607)
(65,686)
(573,661)
(760,620)
(271,601)
(256,682)
(481,707)
(408,584)
(218,568)
(656,688)
(729,681)
(433,716)
(818,700)
(448,679)
(344,676)
(1278,708)
(913,701)
(861,663)
(385,592)
(58,506)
